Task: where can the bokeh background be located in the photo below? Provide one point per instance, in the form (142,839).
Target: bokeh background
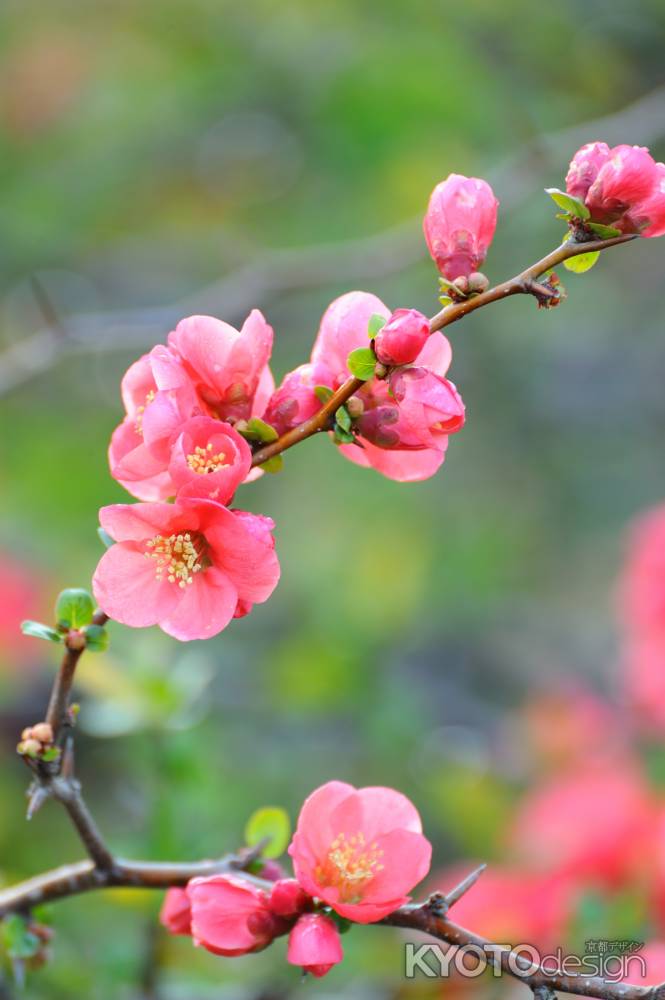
(160,159)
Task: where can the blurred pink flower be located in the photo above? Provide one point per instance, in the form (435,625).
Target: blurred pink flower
(183,566)
(175,913)
(315,944)
(593,824)
(511,904)
(228,368)
(295,400)
(642,583)
(570,724)
(643,676)
(459,224)
(646,967)
(402,338)
(359,850)
(21,597)
(230,916)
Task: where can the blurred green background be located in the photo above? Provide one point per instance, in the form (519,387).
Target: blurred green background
(160,159)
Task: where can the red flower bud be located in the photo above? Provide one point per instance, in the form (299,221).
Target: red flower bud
(459,224)
(402,338)
(287,898)
(314,944)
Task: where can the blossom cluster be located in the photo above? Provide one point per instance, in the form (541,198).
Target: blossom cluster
(356,854)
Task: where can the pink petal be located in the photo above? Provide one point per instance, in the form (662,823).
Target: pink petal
(137,521)
(204,607)
(385,809)
(402,466)
(127,590)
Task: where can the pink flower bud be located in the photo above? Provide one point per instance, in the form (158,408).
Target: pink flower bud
(230,915)
(402,338)
(271,869)
(627,177)
(314,944)
(295,399)
(459,224)
(175,913)
(43,732)
(287,898)
(584,168)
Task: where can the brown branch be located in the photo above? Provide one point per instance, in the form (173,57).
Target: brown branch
(56,714)
(522,284)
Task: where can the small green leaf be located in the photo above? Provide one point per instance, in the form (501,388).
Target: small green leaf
(51,754)
(444,284)
(74,608)
(19,942)
(322,393)
(343,437)
(343,418)
(259,430)
(445,300)
(569,204)
(362,363)
(582,262)
(605,232)
(271,823)
(376,322)
(96,638)
(105,538)
(40,631)
(274,464)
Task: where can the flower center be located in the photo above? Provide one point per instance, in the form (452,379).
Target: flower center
(202,461)
(350,864)
(176,557)
(138,423)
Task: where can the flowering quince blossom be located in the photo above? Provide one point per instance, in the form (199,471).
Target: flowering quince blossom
(228,368)
(295,400)
(230,916)
(315,944)
(404,428)
(188,567)
(459,224)
(402,338)
(361,851)
(623,187)
(594,824)
(176,912)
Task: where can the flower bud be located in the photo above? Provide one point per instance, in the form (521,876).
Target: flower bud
(295,399)
(271,870)
(42,732)
(287,898)
(75,639)
(402,338)
(355,406)
(459,224)
(648,216)
(315,944)
(230,915)
(29,748)
(478,282)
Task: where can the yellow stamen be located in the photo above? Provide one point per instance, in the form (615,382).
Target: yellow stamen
(176,558)
(202,461)
(138,424)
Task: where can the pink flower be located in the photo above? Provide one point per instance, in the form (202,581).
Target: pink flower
(403,452)
(21,596)
(230,916)
(209,459)
(229,369)
(403,337)
(295,400)
(627,177)
(175,913)
(511,904)
(288,898)
(314,944)
(642,585)
(158,397)
(183,566)
(459,224)
(570,724)
(648,216)
(644,680)
(584,168)
(646,967)
(593,824)
(359,850)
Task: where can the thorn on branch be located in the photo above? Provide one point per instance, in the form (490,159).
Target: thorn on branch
(463,887)
(37,796)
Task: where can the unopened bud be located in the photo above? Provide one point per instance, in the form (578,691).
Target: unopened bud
(461,284)
(241,426)
(27,733)
(478,282)
(75,639)
(43,732)
(380,371)
(29,748)
(355,406)
(287,898)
